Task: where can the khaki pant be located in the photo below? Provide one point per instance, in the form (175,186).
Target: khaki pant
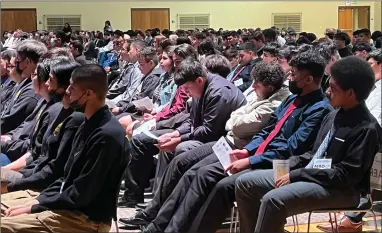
(52,221)
(16,198)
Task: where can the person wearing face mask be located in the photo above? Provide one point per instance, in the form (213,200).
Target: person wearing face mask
(86,194)
(208,191)
(331,55)
(47,114)
(24,99)
(55,86)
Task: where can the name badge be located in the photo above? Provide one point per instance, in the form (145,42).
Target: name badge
(322,164)
(238,82)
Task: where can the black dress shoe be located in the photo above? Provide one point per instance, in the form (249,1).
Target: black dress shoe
(129,201)
(139,219)
(142,206)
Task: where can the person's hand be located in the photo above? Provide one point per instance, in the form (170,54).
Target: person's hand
(147,117)
(107,68)
(115,110)
(164,138)
(5,138)
(238,166)
(170,145)
(18,210)
(167,137)
(238,154)
(284,180)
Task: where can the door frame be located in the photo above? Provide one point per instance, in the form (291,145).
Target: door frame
(146,9)
(351,7)
(23,9)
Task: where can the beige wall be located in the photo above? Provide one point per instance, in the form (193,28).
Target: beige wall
(316,15)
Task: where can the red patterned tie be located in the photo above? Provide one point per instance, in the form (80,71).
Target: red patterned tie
(277,128)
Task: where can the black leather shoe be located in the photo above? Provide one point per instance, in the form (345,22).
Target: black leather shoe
(129,201)
(139,219)
(142,206)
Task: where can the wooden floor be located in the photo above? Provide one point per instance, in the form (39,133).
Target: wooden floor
(368,226)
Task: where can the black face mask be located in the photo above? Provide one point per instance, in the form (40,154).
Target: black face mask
(55,97)
(294,89)
(76,106)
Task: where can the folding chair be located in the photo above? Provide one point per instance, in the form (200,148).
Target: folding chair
(234,219)
(355,209)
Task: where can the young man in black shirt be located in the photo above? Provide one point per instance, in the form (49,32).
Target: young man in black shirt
(85,198)
(334,174)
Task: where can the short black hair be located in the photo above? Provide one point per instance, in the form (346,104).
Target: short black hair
(268,74)
(272,48)
(106,33)
(361,47)
(270,34)
(165,43)
(376,55)
(63,71)
(118,33)
(217,64)
(303,40)
(364,31)
(183,40)
(311,36)
(185,50)
(230,53)
(286,52)
(354,73)
(78,45)
(376,35)
(44,67)
(31,49)
(343,36)
(310,61)
(206,47)
(60,35)
(8,54)
(248,46)
(93,77)
(189,70)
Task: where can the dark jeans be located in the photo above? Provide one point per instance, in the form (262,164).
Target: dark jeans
(138,172)
(173,204)
(173,173)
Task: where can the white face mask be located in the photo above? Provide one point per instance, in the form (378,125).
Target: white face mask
(9,35)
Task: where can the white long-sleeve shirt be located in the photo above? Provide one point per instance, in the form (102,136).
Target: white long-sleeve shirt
(373,103)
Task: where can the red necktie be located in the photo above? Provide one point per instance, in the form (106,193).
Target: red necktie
(277,128)
(237,74)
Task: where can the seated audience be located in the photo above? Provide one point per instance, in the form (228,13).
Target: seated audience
(361,50)
(204,195)
(40,173)
(248,58)
(7,84)
(264,203)
(24,99)
(130,77)
(342,40)
(147,60)
(86,195)
(77,48)
(241,126)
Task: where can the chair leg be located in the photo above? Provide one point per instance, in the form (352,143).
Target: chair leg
(375,220)
(294,224)
(231,223)
(335,219)
(310,213)
(298,229)
(236,219)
